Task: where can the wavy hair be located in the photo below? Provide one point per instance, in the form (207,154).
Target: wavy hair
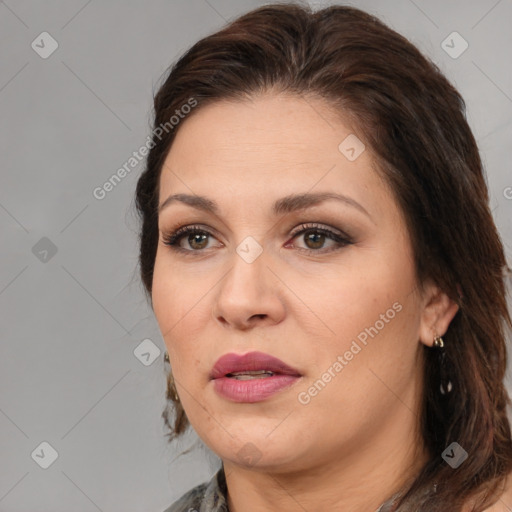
(415,122)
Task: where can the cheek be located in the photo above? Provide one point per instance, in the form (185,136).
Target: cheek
(373,360)
(179,307)
(355,302)
(168,307)
(171,295)
(372,316)
(353,387)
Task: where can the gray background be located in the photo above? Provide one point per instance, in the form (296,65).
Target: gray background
(72,322)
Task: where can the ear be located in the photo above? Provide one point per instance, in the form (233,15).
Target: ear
(438,311)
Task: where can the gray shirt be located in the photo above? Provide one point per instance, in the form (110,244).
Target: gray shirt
(207,497)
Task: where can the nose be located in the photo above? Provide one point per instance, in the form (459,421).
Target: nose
(249,295)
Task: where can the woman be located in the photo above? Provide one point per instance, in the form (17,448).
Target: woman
(324,268)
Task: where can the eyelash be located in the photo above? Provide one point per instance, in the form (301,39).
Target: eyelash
(173,239)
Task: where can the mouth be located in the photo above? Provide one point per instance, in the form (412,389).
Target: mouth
(254,365)
(253,377)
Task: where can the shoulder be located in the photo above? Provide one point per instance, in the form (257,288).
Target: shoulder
(190,500)
(206,497)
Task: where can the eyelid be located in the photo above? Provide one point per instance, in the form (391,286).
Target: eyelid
(310,226)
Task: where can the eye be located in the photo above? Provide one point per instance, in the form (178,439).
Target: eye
(316,236)
(197,238)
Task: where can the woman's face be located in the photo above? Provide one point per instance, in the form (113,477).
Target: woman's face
(345,315)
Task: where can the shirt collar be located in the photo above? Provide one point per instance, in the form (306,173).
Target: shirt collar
(215,494)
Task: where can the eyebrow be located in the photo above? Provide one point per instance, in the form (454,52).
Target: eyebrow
(284,205)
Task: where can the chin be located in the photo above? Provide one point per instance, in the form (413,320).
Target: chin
(256,447)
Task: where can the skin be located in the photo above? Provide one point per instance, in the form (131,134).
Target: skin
(356,442)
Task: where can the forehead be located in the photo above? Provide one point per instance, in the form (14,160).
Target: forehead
(279,124)
(264,148)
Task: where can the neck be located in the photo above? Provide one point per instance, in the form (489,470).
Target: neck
(360,480)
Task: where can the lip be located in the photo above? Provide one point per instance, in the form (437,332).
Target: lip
(254,390)
(231,363)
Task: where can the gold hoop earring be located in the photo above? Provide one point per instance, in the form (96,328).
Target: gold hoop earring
(438,341)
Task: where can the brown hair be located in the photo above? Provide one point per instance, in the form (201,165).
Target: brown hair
(414,121)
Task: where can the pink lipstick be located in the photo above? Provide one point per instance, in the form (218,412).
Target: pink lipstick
(252,377)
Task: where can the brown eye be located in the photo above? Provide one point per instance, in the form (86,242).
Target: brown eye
(195,236)
(197,240)
(315,238)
